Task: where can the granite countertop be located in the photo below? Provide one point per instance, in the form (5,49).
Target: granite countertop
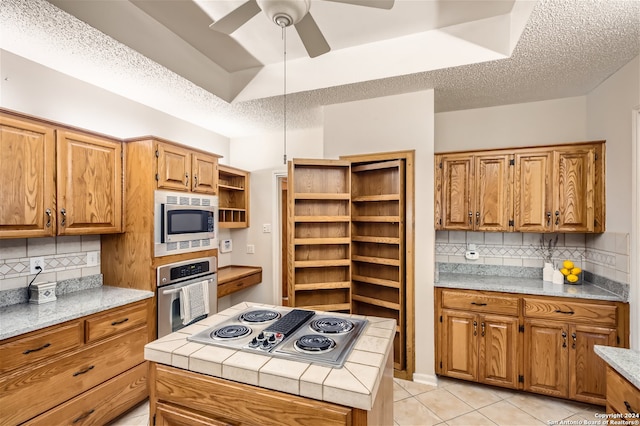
(624,361)
(25,317)
(524,285)
(354,385)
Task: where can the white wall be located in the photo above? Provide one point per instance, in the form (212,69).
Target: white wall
(397,123)
(33,89)
(528,124)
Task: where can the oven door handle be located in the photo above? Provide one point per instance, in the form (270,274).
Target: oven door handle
(168,292)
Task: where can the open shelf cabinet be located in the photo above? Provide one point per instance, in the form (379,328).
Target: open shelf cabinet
(319,235)
(350,241)
(233,193)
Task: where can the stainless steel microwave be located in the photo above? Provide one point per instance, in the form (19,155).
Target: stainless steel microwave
(184,222)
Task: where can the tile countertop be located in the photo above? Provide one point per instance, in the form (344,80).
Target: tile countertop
(354,385)
(26,317)
(525,286)
(624,361)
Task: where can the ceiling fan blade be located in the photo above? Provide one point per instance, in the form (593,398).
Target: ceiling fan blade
(238,17)
(380,4)
(311,36)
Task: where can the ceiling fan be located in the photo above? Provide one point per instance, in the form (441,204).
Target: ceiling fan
(289,12)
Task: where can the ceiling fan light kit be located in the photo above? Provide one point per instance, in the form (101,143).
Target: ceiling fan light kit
(285,12)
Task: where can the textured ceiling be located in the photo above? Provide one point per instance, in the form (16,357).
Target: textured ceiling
(567,48)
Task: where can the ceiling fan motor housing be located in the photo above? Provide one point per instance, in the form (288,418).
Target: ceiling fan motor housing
(285,12)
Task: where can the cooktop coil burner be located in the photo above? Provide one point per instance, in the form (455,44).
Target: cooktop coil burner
(259,315)
(314,343)
(332,325)
(232,331)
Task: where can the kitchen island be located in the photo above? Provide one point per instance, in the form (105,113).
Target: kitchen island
(196,383)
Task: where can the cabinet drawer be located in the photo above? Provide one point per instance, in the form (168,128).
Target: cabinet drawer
(591,313)
(622,396)
(26,394)
(40,345)
(479,302)
(115,321)
(102,403)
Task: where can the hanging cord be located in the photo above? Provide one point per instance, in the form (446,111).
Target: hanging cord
(284,97)
(39,268)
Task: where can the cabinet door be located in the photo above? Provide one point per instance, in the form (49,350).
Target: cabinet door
(532,192)
(89,184)
(205,174)
(174,167)
(457,202)
(492,183)
(574,182)
(546,357)
(587,371)
(498,362)
(459,344)
(27,163)
(171,415)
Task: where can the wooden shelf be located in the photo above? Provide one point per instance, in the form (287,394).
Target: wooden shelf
(321,263)
(376,302)
(376,260)
(322,196)
(233,197)
(386,219)
(376,240)
(322,219)
(328,308)
(375,198)
(316,241)
(323,286)
(376,281)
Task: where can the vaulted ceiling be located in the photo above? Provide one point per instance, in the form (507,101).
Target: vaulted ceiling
(473,53)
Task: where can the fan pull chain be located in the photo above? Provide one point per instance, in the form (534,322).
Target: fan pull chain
(284,97)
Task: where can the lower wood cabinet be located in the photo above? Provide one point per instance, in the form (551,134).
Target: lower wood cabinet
(91,381)
(540,344)
(622,396)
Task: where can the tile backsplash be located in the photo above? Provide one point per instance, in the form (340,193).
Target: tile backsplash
(606,255)
(64,258)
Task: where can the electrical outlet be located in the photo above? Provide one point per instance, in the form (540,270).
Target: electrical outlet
(251,249)
(266,228)
(34,262)
(92,258)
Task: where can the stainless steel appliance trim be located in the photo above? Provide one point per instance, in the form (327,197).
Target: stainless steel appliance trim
(164,271)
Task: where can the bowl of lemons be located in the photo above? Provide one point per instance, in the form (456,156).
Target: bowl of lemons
(572,274)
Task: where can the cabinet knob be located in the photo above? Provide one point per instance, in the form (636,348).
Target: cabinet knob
(482,325)
(548,218)
(470,217)
(475,328)
(186,179)
(48,213)
(195,180)
(63,212)
(557,217)
(477,218)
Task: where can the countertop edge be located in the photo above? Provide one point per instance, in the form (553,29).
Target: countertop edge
(111,297)
(624,361)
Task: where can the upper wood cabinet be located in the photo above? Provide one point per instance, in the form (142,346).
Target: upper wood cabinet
(546,189)
(27,171)
(233,194)
(182,169)
(57,181)
(89,184)
(475,191)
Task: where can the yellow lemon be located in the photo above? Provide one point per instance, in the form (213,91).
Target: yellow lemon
(576,270)
(572,278)
(565,271)
(567,264)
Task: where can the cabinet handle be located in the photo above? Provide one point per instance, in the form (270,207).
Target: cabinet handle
(475,328)
(626,404)
(482,333)
(470,218)
(186,179)
(120,322)
(195,180)
(573,336)
(548,218)
(63,212)
(477,218)
(48,213)
(557,217)
(86,370)
(564,339)
(28,351)
(478,304)
(83,416)
(559,311)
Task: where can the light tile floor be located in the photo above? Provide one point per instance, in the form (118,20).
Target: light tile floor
(457,403)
